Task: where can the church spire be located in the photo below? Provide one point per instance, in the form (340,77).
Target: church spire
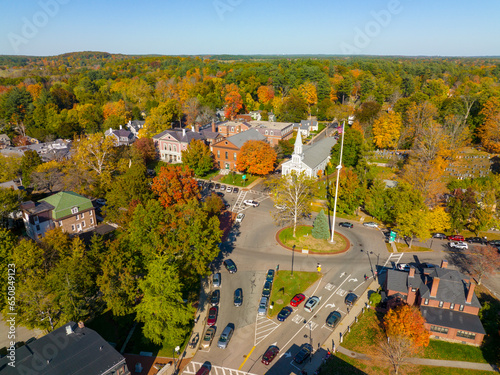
(298,153)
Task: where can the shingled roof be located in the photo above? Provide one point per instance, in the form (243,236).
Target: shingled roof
(452,319)
(64,201)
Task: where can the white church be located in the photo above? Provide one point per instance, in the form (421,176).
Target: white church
(309,158)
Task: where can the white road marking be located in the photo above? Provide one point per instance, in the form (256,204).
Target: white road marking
(297,319)
(354,280)
(329,286)
(341,292)
(193,367)
(263,328)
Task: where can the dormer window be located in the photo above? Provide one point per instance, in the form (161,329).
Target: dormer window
(74,210)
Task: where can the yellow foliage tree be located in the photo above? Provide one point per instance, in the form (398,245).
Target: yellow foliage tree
(489,131)
(161,118)
(387,129)
(308,91)
(439,220)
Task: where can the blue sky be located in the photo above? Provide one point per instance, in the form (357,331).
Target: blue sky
(388,27)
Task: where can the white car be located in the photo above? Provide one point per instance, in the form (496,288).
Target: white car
(370,224)
(311,303)
(459,245)
(239,218)
(250,202)
(403,267)
(280,207)
(229,189)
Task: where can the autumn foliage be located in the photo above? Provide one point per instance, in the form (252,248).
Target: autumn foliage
(406,321)
(233,101)
(386,130)
(489,131)
(256,157)
(175,184)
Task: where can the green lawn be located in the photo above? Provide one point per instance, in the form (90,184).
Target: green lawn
(235,179)
(285,286)
(363,333)
(438,349)
(304,240)
(403,248)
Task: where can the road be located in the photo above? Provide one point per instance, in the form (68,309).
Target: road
(253,247)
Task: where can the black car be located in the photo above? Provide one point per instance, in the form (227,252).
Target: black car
(494,242)
(266,291)
(219,194)
(304,353)
(230,266)
(345,224)
(284,313)
(238,297)
(211,186)
(476,240)
(236,190)
(215,297)
(351,299)
(439,235)
(217,186)
(333,319)
(270,276)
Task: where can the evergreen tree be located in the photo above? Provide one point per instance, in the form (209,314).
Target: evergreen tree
(320,227)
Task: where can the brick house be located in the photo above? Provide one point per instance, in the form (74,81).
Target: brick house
(273,131)
(446,300)
(227,150)
(229,128)
(67,210)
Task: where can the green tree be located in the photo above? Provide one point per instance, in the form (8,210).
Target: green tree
(10,200)
(7,244)
(162,310)
(294,193)
(460,207)
(353,141)
(198,157)
(375,200)
(413,224)
(29,162)
(351,192)
(320,227)
(294,107)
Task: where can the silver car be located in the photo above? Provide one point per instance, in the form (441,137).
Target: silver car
(370,224)
(217,280)
(263,306)
(311,303)
(225,336)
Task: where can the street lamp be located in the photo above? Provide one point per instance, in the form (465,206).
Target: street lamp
(293,253)
(371,267)
(339,167)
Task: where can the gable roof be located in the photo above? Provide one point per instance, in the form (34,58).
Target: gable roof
(250,135)
(64,201)
(317,152)
(119,133)
(180,136)
(452,319)
(82,352)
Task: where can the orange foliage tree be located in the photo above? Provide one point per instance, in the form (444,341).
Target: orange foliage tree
(115,113)
(265,94)
(489,131)
(386,130)
(406,321)
(175,185)
(233,101)
(256,157)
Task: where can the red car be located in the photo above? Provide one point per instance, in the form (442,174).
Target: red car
(270,354)
(212,315)
(297,300)
(456,237)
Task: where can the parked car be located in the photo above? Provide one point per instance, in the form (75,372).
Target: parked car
(350,299)
(270,354)
(403,267)
(217,280)
(223,187)
(239,217)
(459,245)
(304,353)
(230,266)
(217,186)
(209,336)
(263,306)
(215,297)
(238,297)
(370,224)
(494,242)
(270,276)
(266,291)
(345,224)
(225,336)
(204,370)
(211,186)
(236,190)
(212,315)
(311,303)
(280,207)
(333,319)
(219,194)
(297,299)
(249,202)
(478,240)
(229,189)
(439,235)
(284,313)
(455,237)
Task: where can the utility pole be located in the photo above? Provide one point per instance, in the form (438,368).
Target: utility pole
(339,167)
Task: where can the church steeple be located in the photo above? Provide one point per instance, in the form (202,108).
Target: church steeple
(297,149)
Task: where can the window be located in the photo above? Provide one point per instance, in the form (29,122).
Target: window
(272,133)
(174,148)
(440,303)
(218,153)
(426,301)
(74,210)
(35,219)
(235,156)
(91,213)
(38,228)
(83,215)
(232,128)
(467,335)
(439,329)
(78,227)
(92,221)
(452,306)
(83,224)
(73,227)
(77,217)
(267,132)
(60,223)
(226,155)
(461,308)
(413,289)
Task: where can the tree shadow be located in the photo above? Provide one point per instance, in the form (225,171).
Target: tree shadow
(495,165)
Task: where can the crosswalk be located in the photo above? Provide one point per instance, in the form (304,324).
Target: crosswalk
(193,367)
(263,328)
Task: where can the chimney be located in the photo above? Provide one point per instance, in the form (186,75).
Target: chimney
(412,272)
(444,263)
(69,330)
(435,284)
(470,292)
(183,132)
(213,126)
(120,127)
(110,130)
(81,325)
(197,128)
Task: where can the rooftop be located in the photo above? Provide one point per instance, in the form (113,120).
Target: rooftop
(270,124)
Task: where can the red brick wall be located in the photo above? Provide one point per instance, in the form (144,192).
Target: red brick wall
(452,336)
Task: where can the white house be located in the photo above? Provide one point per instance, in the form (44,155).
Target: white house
(309,158)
